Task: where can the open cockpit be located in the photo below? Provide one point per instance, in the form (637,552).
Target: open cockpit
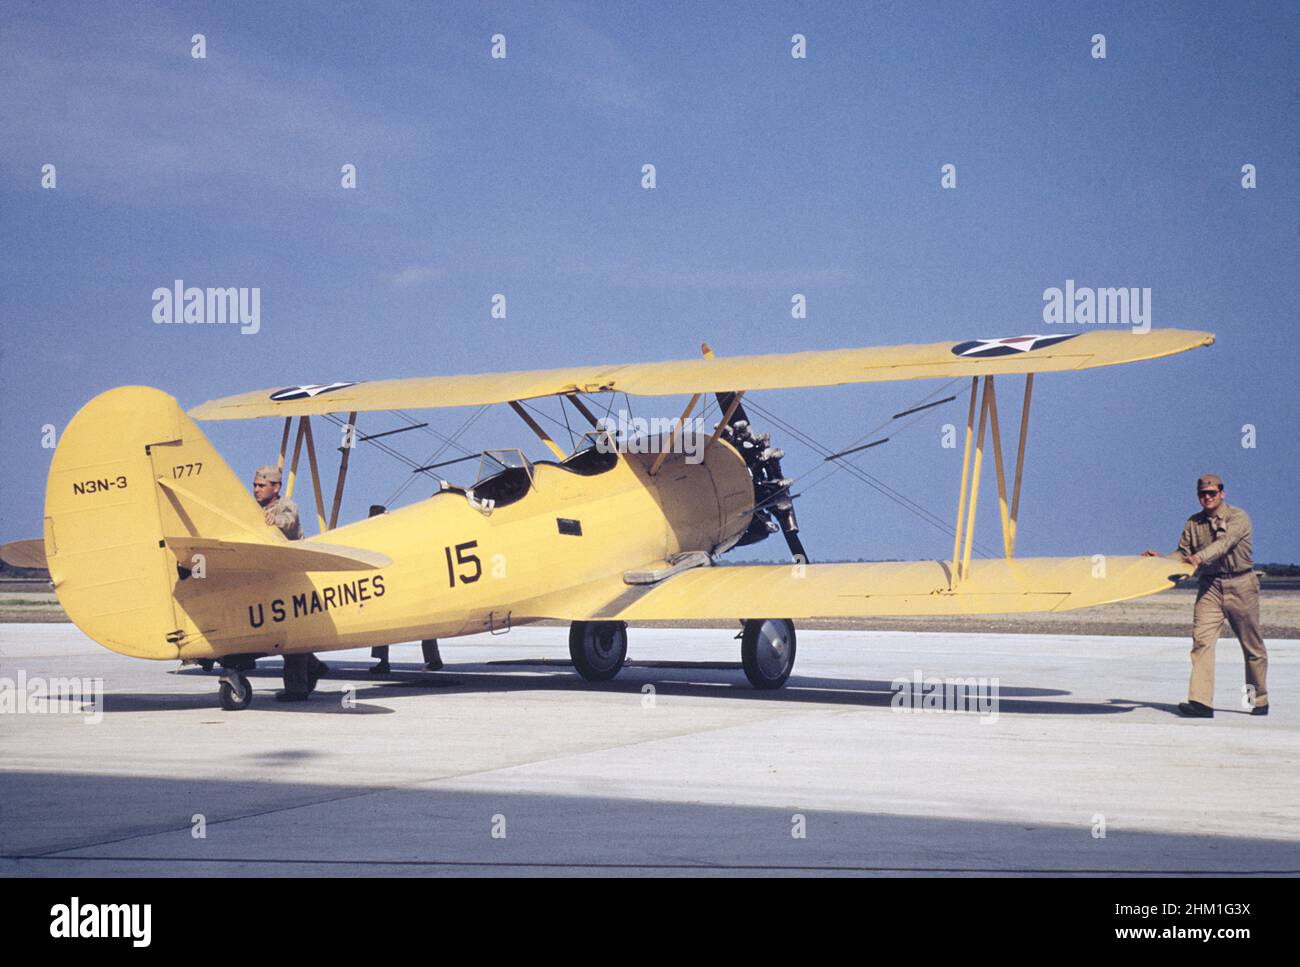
(506,476)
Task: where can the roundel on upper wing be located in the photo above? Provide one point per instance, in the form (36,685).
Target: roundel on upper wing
(307,392)
(979,348)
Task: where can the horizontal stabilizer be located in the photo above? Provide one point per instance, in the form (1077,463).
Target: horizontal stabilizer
(219,556)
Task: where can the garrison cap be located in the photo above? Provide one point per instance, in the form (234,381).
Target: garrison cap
(268,473)
(1209,481)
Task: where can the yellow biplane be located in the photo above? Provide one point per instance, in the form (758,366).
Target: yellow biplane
(157,550)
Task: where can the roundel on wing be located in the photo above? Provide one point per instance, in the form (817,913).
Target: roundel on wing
(307,392)
(1010,346)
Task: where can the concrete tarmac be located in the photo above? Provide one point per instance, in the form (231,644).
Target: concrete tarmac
(507,763)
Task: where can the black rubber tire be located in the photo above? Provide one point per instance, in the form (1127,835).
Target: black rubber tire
(235,697)
(766,667)
(598,648)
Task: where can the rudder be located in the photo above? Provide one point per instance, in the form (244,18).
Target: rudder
(132,468)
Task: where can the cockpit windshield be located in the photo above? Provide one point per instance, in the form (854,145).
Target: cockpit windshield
(492,462)
(596,452)
(504,476)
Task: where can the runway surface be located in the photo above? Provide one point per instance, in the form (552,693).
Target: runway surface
(507,763)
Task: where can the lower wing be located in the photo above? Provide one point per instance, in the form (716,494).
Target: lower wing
(869,590)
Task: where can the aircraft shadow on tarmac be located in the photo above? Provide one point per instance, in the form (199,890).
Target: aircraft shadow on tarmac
(322,704)
(694,679)
(59,827)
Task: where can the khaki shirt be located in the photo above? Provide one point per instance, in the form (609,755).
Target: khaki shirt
(283,514)
(1221,540)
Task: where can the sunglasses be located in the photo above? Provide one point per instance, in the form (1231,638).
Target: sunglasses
(1207,493)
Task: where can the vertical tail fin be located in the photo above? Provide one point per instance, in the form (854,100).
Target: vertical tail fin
(130,470)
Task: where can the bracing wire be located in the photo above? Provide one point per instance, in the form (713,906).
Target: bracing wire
(862,475)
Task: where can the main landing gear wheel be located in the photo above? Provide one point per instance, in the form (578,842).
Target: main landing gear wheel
(598,648)
(236,693)
(767,651)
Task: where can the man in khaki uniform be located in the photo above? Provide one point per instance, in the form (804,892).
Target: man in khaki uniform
(280,512)
(1217,542)
(301,672)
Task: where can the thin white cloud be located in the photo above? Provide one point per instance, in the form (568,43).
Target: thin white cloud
(417,275)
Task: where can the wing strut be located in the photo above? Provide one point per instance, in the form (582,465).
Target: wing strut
(536,428)
(304,433)
(677,432)
(1020,459)
(725,422)
(586,413)
(970,476)
(315,474)
(293,462)
(345,451)
(284,440)
(990,389)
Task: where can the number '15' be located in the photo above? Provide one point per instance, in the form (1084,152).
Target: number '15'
(463,558)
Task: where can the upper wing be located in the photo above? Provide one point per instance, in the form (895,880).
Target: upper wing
(868,590)
(977,357)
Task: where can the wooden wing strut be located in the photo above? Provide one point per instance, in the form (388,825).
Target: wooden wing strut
(964,535)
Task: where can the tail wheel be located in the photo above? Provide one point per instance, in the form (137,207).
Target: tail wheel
(598,648)
(236,693)
(767,648)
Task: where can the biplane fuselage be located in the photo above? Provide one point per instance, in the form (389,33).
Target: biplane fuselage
(156,550)
(461,566)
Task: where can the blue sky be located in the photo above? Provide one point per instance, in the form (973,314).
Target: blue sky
(775,176)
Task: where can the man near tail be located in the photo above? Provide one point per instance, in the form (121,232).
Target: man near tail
(301,672)
(1217,542)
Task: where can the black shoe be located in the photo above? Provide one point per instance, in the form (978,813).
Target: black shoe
(288,696)
(1195,710)
(380,669)
(1259,710)
(433,666)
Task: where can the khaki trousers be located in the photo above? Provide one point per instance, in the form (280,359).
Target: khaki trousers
(1237,599)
